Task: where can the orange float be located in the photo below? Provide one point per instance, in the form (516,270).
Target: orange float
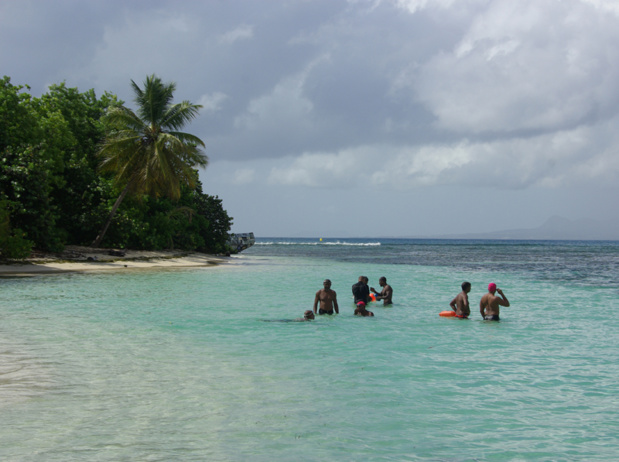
(447,314)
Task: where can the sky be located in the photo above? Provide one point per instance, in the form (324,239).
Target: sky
(385,118)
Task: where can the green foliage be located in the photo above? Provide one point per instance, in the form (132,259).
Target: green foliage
(52,194)
(197,221)
(13,244)
(145,151)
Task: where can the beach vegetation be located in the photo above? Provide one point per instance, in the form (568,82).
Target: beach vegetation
(53,193)
(145,150)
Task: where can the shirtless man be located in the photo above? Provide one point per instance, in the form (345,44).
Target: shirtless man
(327,299)
(460,304)
(489,304)
(385,294)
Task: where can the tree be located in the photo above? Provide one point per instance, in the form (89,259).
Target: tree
(145,151)
(32,143)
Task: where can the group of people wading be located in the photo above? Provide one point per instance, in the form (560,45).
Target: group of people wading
(362,293)
(325,301)
(488,305)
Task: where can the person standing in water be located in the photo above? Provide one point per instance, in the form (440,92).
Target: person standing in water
(361,291)
(460,304)
(489,304)
(327,299)
(385,294)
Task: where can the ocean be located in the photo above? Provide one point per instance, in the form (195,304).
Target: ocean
(198,364)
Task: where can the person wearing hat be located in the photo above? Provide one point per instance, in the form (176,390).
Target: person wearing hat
(361,311)
(489,304)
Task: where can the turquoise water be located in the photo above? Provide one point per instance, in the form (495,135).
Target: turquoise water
(160,365)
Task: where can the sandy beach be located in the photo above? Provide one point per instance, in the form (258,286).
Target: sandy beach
(77,258)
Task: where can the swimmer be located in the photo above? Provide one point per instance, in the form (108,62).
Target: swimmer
(385,294)
(489,303)
(361,311)
(460,304)
(308,315)
(327,299)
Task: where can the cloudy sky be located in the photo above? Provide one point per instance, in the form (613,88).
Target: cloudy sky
(337,118)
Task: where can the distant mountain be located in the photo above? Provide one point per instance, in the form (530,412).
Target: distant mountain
(555,228)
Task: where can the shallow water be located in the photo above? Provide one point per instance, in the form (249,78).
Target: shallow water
(180,365)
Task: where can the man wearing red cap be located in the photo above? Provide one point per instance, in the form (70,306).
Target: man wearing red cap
(489,304)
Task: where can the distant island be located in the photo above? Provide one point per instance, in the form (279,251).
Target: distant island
(555,228)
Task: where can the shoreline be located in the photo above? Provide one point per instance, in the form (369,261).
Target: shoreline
(86,259)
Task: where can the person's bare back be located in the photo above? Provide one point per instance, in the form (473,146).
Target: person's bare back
(460,304)
(327,299)
(489,303)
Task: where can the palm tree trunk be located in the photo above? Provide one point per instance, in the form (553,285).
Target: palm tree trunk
(97,241)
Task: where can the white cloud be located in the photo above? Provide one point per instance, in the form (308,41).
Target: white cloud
(212,102)
(553,160)
(243,32)
(523,66)
(412,6)
(244,176)
(287,104)
(327,170)
(284,104)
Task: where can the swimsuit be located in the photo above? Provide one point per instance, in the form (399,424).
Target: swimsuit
(492,317)
(462,316)
(321,311)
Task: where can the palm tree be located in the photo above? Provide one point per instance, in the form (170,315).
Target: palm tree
(144,151)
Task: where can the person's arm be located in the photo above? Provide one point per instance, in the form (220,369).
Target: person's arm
(482,307)
(335,307)
(504,301)
(372,289)
(316,300)
(453,304)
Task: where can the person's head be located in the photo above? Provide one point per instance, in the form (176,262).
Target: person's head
(466,287)
(309,314)
(365,279)
(360,309)
(382,281)
(327,283)
(361,278)
(492,288)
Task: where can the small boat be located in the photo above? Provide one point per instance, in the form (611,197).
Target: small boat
(241,241)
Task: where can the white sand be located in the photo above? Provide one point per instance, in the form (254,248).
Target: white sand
(77,259)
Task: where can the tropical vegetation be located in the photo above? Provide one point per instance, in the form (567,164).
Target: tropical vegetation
(68,156)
